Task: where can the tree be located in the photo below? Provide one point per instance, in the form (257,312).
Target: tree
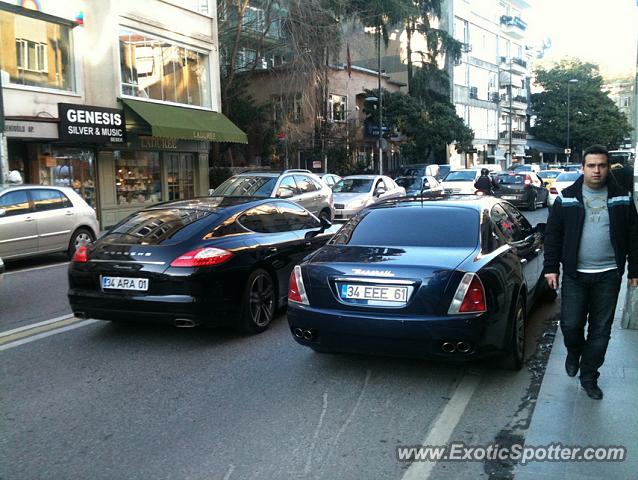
(424,126)
(594,118)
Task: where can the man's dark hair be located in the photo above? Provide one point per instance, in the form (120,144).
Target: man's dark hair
(596,150)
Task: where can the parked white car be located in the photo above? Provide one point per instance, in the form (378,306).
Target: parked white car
(461,181)
(354,192)
(564,180)
(39,219)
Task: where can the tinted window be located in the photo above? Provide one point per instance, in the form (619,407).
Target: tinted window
(164,226)
(49,200)
(461,176)
(409,183)
(297,217)
(568,177)
(288,183)
(353,185)
(264,219)
(305,184)
(15,203)
(521,222)
(511,179)
(548,174)
(506,225)
(246,186)
(432,226)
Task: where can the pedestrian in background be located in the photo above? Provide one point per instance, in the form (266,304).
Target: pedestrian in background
(593,232)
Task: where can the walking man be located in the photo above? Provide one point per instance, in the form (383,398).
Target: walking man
(593,232)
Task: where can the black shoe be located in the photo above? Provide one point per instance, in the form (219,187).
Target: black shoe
(571,365)
(593,390)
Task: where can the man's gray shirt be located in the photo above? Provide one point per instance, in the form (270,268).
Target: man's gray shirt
(596,253)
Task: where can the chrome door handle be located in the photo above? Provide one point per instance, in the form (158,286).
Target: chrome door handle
(538,250)
(523,260)
(29,219)
(69,213)
(272,250)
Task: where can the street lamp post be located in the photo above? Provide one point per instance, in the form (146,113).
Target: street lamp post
(380,103)
(568,148)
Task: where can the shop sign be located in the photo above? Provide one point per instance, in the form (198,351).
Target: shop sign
(25,129)
(158,143)
(89,124)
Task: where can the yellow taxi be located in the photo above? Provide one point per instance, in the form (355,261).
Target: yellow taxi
(549,177)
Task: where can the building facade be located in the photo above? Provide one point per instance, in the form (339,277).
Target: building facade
(491,80)
(118,100)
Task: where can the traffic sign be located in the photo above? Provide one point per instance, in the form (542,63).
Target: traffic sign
(568,151)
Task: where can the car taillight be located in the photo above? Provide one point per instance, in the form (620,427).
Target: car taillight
(527,181)
(553,191)
(202,257)
(469,296)
(296,289)
(81,255)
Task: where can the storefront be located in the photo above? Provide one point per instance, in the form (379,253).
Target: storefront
(120,160)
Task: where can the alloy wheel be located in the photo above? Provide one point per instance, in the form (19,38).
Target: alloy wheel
(261,300)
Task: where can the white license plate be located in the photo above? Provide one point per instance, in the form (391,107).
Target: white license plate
(125,283)
(509,197)
(375,292)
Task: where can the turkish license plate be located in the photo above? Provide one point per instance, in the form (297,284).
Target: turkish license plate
(509,197)
(125,283)
(375,292)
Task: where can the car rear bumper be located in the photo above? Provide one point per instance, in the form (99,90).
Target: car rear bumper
(149,308)
(422,337)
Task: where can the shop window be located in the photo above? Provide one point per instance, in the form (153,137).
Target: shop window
(137,177)
(67,167)
(337,107)
(181,176)
(161,70)
(36,52)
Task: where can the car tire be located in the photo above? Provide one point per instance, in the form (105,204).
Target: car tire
(325,213)
(515,358)
(532,202)
(82,236)
(258,302)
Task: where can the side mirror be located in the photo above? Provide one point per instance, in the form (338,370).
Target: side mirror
(2,212)
(284,193)
(325,223)
(379,191)
(210,192)
(545,184)
(540,228)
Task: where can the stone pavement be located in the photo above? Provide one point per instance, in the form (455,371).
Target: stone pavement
(565,414)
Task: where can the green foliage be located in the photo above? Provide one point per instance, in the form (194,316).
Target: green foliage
(594,118)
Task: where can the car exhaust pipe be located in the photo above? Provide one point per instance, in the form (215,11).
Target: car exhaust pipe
(298,332)
(463,347)
(307,335)
(448,347)
(81,315)
(185,323)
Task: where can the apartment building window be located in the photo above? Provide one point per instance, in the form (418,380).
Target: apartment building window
(337,107)
(287,108)
(625,101)
(159,69)
(460,30)
(460,74)
(484,44)
(254,19)
(246,58)
(36,52)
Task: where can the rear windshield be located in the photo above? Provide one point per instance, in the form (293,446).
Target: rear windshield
(428,226)
(511,179)
(353,185)
(157,227)
(460,176)
(410,183)
(548,174)
(568,177)
(246,186)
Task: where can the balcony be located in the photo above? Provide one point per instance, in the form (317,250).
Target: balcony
(518,102)
(518,65)
(515,26)
(518,137)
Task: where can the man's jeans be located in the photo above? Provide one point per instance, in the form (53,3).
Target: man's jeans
(595,294)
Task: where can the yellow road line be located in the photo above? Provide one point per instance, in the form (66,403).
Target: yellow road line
(38,329)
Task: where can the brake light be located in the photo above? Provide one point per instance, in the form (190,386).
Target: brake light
(81,255)
(469,296)
(527,181)
(296,289)
(202,257)
(553,191)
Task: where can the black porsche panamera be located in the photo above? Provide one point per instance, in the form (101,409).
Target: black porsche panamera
(203,261)
(451,277)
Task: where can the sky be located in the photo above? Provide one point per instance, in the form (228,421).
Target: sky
(604,32)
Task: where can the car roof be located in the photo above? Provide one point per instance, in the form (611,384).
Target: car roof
(366,177)
(474,202)
(27,186)
(212,204)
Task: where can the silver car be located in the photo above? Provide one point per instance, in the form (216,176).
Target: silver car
(300,186)
(38,219)
(355,192)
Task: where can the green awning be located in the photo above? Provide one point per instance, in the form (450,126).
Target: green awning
(186,123)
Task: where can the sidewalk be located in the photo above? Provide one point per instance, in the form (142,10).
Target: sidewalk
(565,414)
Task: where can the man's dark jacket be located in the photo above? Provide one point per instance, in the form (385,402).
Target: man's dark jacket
(565,227)
(485,183)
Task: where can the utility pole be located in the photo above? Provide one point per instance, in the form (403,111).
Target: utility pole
(568,148)
(511,114)
(380,102)
(4,154)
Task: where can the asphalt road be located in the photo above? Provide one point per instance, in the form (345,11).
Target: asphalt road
(120,401)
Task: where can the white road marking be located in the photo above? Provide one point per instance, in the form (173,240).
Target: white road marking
(231,468)
(311,450)
(444,425)
(34,325)
(42,335)
(11,272)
